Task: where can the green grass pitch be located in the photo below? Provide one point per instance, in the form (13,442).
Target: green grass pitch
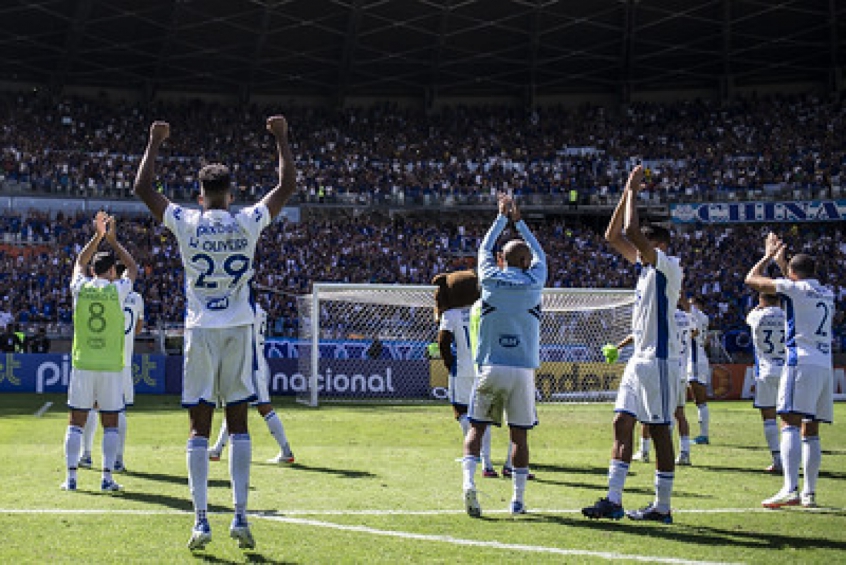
(380,484)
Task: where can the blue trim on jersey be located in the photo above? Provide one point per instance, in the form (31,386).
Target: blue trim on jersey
(663,346)
(789,389)
(665,388)
(110,412)
(523,427)
(790,324)
(694,352)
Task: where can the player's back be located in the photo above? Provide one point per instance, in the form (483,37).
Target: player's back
(653,316)
(683,325)
(768,331)
(809,307)
(457,322)
(217,248)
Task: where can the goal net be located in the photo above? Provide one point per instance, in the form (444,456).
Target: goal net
(368,342)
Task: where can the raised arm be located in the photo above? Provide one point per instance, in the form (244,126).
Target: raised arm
(124,255)
(614,232)
(143,188)
(275,199)
(90,248)
(631,221)
(538,265)
(487,259)
(756,278)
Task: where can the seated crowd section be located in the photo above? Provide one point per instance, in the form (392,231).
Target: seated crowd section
(372,247)
(768,147)
(779,146)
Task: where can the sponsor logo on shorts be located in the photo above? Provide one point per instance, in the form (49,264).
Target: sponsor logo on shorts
(218,304)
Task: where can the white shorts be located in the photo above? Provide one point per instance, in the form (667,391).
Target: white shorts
(807,390)
(102,387)
(649,390)
(700,372)
(461,389)
(766,391)
(509,389)
(219,366)
(128,386)
(263,381)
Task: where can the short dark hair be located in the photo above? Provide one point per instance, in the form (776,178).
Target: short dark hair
(768,298)
(102,262)
(215,178)
(120,268)
(657,233)
(803,265)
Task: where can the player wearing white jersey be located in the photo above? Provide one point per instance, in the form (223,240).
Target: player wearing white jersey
(456,343)
(97,357)
(133,315)
(649,388)
(805,392)
(262,403)
(768,325)
(683,326)
(217,248)
(698,368)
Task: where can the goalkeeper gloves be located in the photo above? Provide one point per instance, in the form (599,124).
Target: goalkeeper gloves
(610,352)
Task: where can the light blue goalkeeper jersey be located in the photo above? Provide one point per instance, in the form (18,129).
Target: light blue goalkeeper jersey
(509,329)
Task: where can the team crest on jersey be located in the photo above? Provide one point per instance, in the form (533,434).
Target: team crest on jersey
(218,303)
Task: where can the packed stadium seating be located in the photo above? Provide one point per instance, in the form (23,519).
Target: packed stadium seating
(36,261)
(763,148)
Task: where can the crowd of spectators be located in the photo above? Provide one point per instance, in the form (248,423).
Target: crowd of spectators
(409,249)
(693,150)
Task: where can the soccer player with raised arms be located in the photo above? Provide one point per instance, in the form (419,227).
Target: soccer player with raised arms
(218,248)
(97,351)
(768,327)
(508,351)
(133,316)
(649,387)
(805,396)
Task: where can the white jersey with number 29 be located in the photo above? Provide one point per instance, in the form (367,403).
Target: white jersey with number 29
(809,307)
(217,247)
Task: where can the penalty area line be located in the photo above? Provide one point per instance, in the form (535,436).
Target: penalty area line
(611,556)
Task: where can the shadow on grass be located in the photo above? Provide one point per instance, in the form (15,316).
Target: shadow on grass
(759,471)
(706,536)
(344,473)
(173,479)
(250,557)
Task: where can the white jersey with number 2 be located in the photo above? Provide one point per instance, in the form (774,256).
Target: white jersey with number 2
(809,308)
(217,248)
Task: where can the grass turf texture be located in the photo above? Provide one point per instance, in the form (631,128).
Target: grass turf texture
(380,484)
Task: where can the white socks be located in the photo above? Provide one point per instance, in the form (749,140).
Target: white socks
(791,455)
(240,456)
(617,472)
(811,460)
(704,419)
(198,474)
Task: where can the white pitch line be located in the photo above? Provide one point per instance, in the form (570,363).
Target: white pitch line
(611,556)
(488,544)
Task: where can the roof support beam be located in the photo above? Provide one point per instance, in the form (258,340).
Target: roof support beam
(245,87)
(835,72)
(534,44)
(164,51)
(626,55)
(347,55)
(727,78)
(76,31)
(437,55)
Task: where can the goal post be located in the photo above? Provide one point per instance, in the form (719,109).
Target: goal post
(368,342)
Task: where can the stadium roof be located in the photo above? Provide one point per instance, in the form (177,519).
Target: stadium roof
(339,48)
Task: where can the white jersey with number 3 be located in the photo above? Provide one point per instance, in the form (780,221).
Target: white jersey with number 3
(217,248)
(768,330)
(133,312)
(809,308)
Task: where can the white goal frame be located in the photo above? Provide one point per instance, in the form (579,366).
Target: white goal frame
(422,296)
